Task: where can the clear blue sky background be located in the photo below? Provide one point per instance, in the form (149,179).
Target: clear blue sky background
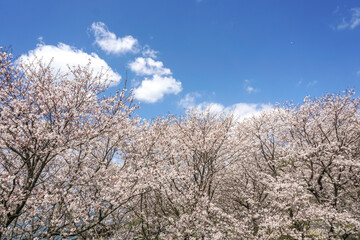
(221,51)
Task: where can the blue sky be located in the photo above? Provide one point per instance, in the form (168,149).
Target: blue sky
(230,55)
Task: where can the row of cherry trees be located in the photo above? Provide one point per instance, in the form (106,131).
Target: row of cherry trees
(78,163)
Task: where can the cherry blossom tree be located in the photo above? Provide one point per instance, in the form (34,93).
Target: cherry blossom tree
(185,158)
(59,142)
(324,139)
(298,177)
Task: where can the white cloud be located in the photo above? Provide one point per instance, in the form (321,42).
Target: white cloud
(148,66)
(250,89)
(63,56)
(240,110)
(154,89)
(312,83)
(158,81)
(189,100)
(353,22)
(109,43)
(243,110)
(148,52)
(342,25)
(40,40)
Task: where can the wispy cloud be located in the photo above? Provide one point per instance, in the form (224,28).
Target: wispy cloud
(41,41)
(153,89)
(148,52)
(189,100)
(250,89)
(312,83)
(112,44)
(336,10)
(351,23)
(63,56)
